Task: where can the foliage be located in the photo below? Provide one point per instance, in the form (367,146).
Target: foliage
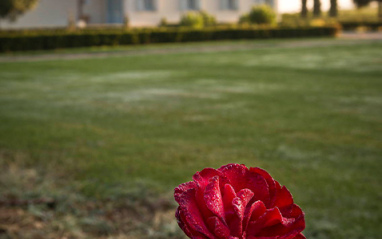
(192,19)
(208,19)
(362,3)
(349,19)
(262,15)
(361,14)
(12,9)
(244,19)
(163,22)
(197,20)
(354,25)
(45,40)
(294,20)
(365,14)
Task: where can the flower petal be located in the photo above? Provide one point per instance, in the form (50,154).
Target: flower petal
(271,184)
(191,214)
(289,228)
(182,188)
(240,177)
(256,210)
(292,211)
(203,177)
(184,226)
(228,195)
(235,174)
(284,198)
(293,230)
(271,217)
(218,227)
(239,205)
(213,198)
(182,223)
(300,236)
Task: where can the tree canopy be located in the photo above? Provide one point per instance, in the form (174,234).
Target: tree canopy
(12,9)
(362,3)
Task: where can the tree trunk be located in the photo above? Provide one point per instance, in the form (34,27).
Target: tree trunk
(380,10)
(304,9)
(317,8)
(333,12)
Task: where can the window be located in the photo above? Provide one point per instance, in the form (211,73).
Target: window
(232,4)
(258,2)
(229,4)
(146,5)
(149,5)
(190,5)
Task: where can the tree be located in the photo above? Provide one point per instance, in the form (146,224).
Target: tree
(304,9)
(12,9)
(361,3)
(364,3)
(317,8)
(333,11)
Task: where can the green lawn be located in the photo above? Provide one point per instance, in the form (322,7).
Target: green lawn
(310,116)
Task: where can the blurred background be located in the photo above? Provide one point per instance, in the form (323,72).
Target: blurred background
(107,105)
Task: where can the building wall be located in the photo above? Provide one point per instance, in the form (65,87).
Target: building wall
(171,10)
(48,13)
(95,10)
(226,16)
(55,13)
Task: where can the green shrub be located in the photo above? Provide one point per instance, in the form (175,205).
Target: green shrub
(262,14)
(295,20)
(244,19)
(163,22)
(354,25)
(208,19)
(197,20)
(192,19)
(55,39)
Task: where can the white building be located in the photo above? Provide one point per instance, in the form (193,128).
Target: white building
(57,13)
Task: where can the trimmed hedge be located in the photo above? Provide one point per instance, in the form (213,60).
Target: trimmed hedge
(47,40)
(353,25)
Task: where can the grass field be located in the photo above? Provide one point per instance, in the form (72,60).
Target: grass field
(103,129)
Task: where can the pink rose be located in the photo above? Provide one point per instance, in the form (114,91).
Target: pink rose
(235,202)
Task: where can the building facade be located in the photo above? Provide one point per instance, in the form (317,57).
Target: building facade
(57,13)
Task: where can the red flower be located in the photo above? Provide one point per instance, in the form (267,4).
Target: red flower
(235,202)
